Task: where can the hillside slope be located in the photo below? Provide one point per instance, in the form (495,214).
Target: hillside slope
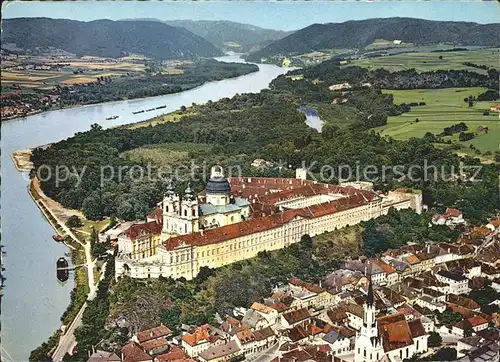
(106,38)
(229,35)
(358,34)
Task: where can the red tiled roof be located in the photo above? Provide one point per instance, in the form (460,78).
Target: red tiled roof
(279,306)
(386,267)
(132,352)
(416,328)
(477,321)
(309,286)
(394,331)
(245,336)
(452,212)
(156,214)
(154,343)
(463,301)
(296,315)
(270,222)
(201,335)
(481,230)
(153,333)
(138,230)
(297,333)
(174,354)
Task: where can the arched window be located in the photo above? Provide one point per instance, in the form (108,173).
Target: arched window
(185,212)
(166,208)
(194,212)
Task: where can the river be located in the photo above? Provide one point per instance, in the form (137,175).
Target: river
(33,300)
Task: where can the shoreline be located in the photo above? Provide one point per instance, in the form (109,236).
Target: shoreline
(35,112)
(50,215)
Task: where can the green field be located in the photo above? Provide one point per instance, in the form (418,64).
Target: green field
(430,61)
(444,107)
(164,155)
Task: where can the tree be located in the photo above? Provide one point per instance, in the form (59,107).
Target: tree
(171,317)
(92,207)
(73,222)
(204,273)
(183,109)
(434,340)
(306,241)
(125,211)
(444,354)
(449,317)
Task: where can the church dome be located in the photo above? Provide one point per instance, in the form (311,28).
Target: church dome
(218,184)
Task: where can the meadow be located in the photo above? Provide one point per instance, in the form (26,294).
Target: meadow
(444,108)
(430,61)
(164,155)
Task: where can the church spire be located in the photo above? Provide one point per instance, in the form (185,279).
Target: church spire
(189,193)
(170,188)
(369,298)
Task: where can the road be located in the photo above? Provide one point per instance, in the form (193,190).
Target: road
(67,341)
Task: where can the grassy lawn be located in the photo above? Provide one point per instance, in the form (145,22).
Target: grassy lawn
(169,117)
(167,154)
(444,107)
(89,224)
(430,61)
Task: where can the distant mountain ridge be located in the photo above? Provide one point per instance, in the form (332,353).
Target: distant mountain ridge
(227,35)
(360,33)
(106,38)
(222,32)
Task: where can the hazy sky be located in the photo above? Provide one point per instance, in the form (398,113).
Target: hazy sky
(269,14)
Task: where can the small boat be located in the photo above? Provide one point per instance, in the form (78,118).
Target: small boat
(62,263)
(160,107)
(112,117)
(67,254)
(141,111)
(150,109)
(57,237)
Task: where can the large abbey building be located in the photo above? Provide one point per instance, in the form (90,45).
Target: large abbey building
(236,218)
(187,215)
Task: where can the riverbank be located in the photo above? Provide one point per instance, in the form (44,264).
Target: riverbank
(30,316)
(84,288)
(127,89)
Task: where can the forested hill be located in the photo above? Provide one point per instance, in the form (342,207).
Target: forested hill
(106,38)
(358,34)
(229,35)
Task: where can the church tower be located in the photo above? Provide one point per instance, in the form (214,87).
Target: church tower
(170,205)
(368,346)
(188,212)
(218,190)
